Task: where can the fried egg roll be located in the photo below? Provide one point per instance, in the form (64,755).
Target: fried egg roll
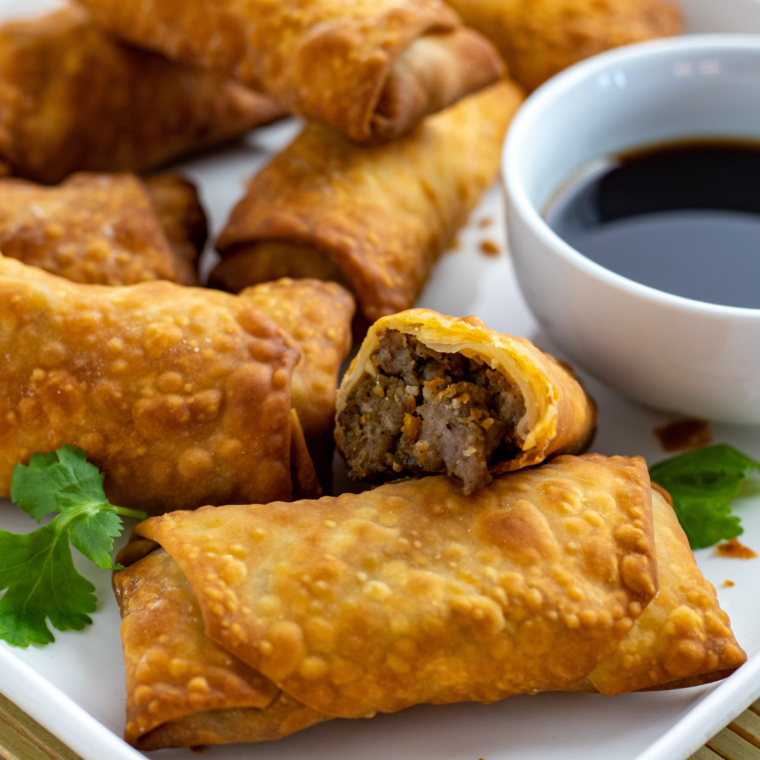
(372,219)
(539,38)
(318,317)
(411,593)
(74,99)
(428,393)
(101,229)
(370,68)
(183,220)
(181,396)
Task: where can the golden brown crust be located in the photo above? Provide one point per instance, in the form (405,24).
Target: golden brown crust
(411,593)
(172,667)
(559,416)
(378,218)
(73,99)
(331,61)
(318,317)
(99,229)
(683,635)
(539,38)
(180,395)
(182,219)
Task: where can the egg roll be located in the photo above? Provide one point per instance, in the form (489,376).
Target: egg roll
(318,317)
(539,38)
(181,396)
(101,229)
(183,220)
(369,68)
(73,99)
(373,219)
(411,593)
(428,393)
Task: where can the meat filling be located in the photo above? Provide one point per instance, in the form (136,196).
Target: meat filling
(426,412)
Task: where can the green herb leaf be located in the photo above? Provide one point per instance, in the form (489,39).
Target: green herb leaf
(703,483)
(37,570)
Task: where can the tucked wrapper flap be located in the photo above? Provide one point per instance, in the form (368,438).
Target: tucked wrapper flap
(73,99)
(558,417)
(180,395)
(370,68)
(318,316)
(682,634)
(183,220)
(414,593)
(373,219)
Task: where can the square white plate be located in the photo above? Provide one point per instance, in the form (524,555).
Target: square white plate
(75,687)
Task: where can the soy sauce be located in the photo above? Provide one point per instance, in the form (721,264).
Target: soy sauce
(682,218)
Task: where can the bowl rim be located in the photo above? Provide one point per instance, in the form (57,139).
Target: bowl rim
(543,98)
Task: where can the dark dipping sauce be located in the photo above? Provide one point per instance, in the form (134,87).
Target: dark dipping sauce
(681,218)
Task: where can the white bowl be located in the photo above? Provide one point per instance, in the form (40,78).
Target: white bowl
(662,350)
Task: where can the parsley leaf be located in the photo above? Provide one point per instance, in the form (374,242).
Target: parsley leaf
(703,483)
(37,569)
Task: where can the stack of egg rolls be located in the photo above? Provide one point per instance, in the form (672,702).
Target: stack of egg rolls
(107,229)
(246,623)
(428,393)
(181,396)
(539,38)
(372,219)
(369,68)
(74,99)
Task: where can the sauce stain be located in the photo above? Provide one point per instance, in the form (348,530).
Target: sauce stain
(735,550)
(684,434)
(489,248)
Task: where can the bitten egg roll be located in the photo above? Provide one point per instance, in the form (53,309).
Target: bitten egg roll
(372,219)
(318,317)
(101,229)
(411,593)
(74,99)
(429,393)
(183,220)
(369,68)
(539,38)
(181,396)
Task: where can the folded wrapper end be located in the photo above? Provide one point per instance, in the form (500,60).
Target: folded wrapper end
(303,474)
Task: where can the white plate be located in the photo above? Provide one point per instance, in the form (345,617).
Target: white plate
(75,687)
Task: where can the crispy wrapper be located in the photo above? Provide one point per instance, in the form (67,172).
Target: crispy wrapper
(539,38)
(548,411)
(99,229)
(73,99)
(407,594)
(318,317)
(369,68)
(373,219)
(183,220)
(180,395)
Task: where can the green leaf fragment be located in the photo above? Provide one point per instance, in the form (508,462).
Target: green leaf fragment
(703,483)
(37,570)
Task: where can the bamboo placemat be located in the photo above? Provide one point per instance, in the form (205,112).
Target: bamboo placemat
(22,738)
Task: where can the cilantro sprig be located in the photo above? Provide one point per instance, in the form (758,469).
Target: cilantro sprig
(703,483)
(37,569)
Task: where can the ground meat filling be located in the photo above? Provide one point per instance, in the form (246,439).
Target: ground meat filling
(429,412)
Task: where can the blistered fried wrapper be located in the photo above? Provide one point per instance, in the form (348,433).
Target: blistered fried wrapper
(399,395)
(245,623)
(100,229)
(182,396)
(369,68)
(539,38)
(373,219)
(73,99)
